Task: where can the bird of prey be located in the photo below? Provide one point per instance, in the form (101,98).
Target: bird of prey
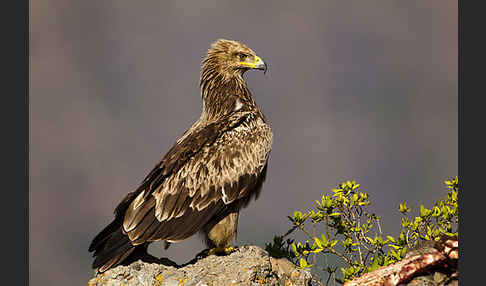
(213,171)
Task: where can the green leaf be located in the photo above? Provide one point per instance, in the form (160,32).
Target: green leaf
(334,242)
(317,250)
(424,212)
(402,252)
(403,208)
(323,239)
(374,265)
(303,263)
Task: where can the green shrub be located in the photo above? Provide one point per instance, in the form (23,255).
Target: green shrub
(353,234)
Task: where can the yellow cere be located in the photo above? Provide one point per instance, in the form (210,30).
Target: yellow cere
(252,65)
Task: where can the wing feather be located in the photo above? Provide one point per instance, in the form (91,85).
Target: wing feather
(141,228)
(135,214)
(206,171)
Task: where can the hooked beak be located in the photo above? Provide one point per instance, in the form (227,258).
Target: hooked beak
(257,63)
(260,64)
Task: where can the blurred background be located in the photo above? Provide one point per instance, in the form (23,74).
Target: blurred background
(363,90)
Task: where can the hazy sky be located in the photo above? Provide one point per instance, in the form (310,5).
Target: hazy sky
(363,90)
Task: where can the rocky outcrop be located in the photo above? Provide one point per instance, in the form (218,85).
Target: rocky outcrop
(428,264)
(248,265)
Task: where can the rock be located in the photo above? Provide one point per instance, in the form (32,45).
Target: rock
(248,265)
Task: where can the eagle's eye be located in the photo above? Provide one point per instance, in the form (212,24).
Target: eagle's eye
(242,56)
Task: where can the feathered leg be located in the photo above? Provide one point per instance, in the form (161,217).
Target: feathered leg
(220,235)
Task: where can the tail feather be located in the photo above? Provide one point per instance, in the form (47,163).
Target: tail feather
(115,261)
(103,236)
(111,246)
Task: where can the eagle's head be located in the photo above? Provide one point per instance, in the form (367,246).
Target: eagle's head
(231,59)
(223,88)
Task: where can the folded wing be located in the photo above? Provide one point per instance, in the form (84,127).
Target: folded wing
(209,170)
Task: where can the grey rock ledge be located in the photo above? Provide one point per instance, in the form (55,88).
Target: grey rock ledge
(248,265)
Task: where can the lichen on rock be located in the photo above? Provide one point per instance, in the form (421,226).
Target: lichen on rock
(248,265)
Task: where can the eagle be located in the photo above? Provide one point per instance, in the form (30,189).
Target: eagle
(210,173)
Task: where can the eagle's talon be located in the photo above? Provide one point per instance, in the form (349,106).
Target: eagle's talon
(213,251)
(230,249)
(222,250)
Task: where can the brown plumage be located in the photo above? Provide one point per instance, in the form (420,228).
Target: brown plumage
(211,172)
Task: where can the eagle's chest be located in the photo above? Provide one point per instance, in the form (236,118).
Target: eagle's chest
(250,143)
